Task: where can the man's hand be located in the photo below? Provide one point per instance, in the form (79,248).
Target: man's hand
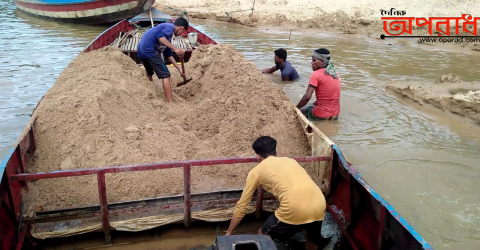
(233,224)
(270,70)
(180,52)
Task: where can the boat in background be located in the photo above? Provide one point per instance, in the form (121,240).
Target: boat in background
(84,11)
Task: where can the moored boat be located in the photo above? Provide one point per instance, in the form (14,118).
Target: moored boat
(84,11)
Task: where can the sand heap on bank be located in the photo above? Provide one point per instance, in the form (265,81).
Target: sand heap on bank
(361,17)
(448,92)
(103,111)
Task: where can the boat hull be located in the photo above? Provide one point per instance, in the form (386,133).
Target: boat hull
(84,11)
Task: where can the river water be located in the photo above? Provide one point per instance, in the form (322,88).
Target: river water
(423,162)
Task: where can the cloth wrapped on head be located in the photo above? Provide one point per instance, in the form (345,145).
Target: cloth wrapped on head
(328,64)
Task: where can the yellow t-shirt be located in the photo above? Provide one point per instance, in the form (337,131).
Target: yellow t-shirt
(301,200)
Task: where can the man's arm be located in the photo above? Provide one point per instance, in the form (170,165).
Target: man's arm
(270,70)
(174,63)
(306,97)
(242,204)
(165,42)
(168,54)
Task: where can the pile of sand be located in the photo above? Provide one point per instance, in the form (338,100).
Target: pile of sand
(448,78)
(103,111)
(447,92)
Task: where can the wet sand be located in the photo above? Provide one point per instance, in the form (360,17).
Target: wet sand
(448,93)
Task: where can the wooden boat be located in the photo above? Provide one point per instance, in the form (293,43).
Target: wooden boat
(366,221)
(84,11)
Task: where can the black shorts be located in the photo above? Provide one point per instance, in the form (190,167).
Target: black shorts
(156,64)
(280,231)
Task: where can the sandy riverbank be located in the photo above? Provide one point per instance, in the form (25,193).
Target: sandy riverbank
(362,17)
(448,93)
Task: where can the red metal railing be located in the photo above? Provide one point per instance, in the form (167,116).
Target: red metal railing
(186,165)
(109,35)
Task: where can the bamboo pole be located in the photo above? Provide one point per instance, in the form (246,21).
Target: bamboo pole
(151,19)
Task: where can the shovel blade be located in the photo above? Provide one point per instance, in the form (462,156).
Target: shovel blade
(184,82)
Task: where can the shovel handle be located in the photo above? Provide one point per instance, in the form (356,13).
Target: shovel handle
(183,68)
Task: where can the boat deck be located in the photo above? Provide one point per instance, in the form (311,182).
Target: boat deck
(128,42)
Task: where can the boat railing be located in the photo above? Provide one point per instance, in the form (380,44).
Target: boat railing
(186,165)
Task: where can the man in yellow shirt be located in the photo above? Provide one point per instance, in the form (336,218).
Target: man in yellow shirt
(302,204)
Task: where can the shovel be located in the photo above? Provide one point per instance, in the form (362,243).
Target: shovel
(185,80)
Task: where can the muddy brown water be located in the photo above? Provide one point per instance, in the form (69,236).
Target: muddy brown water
(423,161)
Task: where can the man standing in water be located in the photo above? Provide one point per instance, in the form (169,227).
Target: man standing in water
(288,72)
(302,204)
(326,83)
(154,45)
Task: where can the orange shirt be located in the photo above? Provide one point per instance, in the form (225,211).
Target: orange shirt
(327,92)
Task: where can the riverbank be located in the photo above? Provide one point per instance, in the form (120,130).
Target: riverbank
(448,93)
(361,18)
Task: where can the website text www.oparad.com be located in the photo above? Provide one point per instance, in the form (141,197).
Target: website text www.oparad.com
(432,39)
(449,39)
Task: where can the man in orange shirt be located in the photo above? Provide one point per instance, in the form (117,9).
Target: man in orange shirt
(302,204)
(326,83)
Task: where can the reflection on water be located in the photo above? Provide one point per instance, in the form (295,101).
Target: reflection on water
(422,162)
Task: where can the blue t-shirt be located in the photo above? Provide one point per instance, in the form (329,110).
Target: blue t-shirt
(149,43)
(288,71)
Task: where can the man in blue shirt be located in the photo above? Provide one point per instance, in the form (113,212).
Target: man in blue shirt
(288,72)
(155,45)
